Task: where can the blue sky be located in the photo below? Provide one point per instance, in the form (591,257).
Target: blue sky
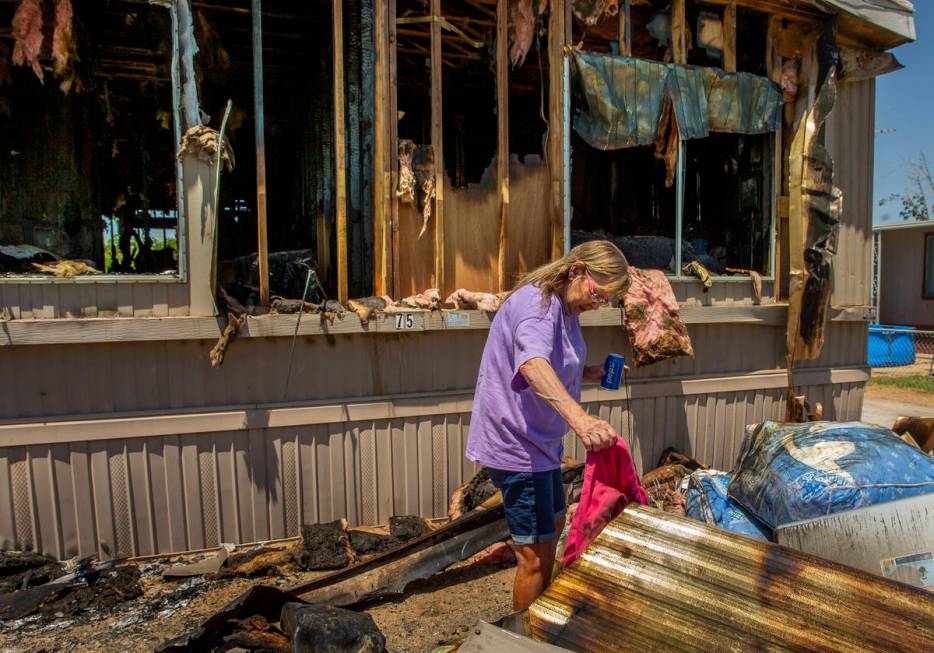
(905,103)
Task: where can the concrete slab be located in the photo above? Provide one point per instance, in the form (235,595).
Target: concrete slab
(884,412)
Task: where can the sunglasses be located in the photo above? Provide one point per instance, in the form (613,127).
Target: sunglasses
(595,297)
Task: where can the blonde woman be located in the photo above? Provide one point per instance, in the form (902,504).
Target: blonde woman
(528,394)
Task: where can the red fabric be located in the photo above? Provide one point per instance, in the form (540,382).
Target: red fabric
(610,483)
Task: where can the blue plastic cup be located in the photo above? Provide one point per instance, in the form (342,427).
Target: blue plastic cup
(613,372)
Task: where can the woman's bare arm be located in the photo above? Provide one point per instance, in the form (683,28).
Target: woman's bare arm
(595,433)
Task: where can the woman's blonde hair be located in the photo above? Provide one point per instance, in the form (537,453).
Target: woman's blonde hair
(599,256)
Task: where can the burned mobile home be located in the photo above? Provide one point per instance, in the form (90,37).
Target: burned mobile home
(393,147)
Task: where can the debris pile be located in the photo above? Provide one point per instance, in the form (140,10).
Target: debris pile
(315,628)
(325,546)
(471,494)
(36,585)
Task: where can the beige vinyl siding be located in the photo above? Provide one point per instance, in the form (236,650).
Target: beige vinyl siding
(850,131)
(87,297)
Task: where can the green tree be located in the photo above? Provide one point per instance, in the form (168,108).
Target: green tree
(915,202)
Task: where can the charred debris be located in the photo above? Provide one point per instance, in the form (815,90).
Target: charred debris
(313,583)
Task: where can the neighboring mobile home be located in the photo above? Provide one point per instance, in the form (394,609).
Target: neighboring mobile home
(117,434)
(904,274)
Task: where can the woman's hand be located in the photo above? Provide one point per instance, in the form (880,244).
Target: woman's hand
(593,373)
(595,433)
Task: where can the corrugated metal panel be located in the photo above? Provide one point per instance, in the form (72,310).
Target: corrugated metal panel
(85,298)
(654,581)
(169,493)
(850,134)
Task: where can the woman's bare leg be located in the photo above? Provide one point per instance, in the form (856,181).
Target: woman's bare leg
(533,569)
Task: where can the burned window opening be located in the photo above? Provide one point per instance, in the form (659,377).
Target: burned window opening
(630,196)
(620,195)
(299,125)
(751,37)
(528,100)
(469,116)
(469,89)
(104,194)
(727,216)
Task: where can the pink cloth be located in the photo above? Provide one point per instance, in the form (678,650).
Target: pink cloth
(610,483)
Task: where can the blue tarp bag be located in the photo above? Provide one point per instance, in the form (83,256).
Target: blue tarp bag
(707,501)
(789,472)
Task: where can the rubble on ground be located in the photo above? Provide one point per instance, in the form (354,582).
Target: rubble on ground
(471,494)
(325,546)
(662,485)
(283,601)
(314,628)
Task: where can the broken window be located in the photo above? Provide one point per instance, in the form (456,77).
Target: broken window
(87,166)
(674,163)
(727,216)
(621,195)
(300,151)
(475,205)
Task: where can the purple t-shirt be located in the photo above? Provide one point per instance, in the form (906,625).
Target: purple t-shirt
(512,428)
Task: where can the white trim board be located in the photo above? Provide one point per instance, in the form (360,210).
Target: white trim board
(142,329)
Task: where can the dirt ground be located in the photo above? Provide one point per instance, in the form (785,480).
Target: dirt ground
(432,612)
(894,393)
(445,607)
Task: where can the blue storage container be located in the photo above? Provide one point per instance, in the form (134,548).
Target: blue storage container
(891,346)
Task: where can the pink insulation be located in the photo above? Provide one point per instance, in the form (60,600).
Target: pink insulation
(27,30)
(63,45)
(481,301)
(521,30)
(430,300)
(656,330)
(789,80)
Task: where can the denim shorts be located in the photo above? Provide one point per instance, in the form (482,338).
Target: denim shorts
(533,501)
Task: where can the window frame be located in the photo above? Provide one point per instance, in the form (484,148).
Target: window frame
(928,245)
(775,180)
(180,275)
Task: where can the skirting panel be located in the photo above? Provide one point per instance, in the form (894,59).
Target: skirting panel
(168,493)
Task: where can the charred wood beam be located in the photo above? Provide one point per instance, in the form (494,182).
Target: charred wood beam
(260,130)
(490,512)
(729,37)
(678,32)
(502,137)
(625,29)
(383,150)
(394,280)
(445,24)
(483,8)
(437,142)
(340,159)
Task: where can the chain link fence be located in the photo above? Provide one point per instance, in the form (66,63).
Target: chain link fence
(902,357)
